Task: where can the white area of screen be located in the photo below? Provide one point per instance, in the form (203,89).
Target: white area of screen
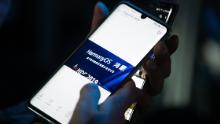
(128,36)
(122,34)
(59,96)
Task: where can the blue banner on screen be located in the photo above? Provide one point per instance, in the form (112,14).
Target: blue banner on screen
(100,66)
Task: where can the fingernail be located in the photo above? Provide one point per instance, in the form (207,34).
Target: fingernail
(103,7)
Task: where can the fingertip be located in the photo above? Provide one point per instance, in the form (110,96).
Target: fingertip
(103,7)
(90,90)
(172,43)
(100,13)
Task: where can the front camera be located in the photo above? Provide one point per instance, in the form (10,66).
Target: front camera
(143,16)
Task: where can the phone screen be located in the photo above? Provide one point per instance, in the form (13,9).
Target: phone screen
(107,57)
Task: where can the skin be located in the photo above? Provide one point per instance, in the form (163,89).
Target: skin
(112,110)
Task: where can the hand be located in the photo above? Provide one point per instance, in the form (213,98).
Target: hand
(88,111)
(111,111)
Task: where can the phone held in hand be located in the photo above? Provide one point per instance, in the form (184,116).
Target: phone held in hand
(108,57)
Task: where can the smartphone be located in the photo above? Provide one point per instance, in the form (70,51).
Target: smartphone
(108,57)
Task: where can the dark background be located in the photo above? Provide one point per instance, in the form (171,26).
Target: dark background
(36,38)
(38,35)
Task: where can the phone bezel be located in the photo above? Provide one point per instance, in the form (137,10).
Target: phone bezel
(130,4)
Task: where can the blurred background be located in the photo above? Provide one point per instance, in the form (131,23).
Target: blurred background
(37,36)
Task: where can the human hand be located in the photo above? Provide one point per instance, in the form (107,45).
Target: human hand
(156,71)
(111,111)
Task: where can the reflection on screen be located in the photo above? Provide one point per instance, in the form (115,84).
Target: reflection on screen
(106,58)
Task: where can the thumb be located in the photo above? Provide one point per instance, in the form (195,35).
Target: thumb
(87,104)
(100,13)
(123,98)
